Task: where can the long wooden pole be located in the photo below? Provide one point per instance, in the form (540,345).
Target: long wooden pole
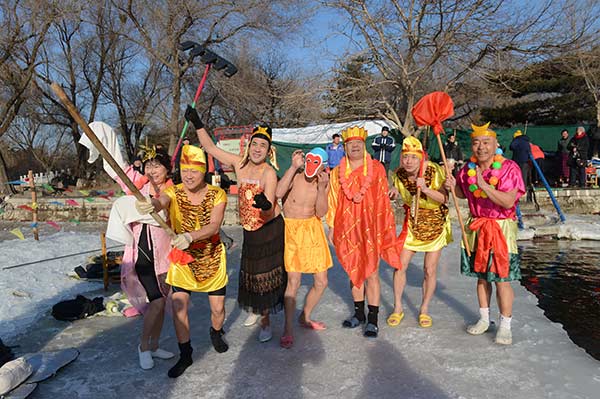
(104,261)
(454,197)
(34,205)
(421,172)
(105,154)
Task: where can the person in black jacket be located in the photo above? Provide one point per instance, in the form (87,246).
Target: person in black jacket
(520,148)
(453,153)
(562,152)
(383,146)
(578,150)
(594,134)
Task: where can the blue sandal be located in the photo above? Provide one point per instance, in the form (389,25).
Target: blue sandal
(371,330)
(352,322)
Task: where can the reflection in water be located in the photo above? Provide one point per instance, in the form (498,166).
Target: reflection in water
(565,277)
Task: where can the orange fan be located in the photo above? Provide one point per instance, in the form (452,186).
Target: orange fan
(432,110)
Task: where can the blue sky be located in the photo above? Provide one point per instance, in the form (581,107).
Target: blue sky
(321,43)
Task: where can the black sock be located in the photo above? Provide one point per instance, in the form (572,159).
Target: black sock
(359,310)
(373,313)
(185,360)
(216,337)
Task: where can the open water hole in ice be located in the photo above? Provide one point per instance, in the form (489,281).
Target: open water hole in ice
(565,277)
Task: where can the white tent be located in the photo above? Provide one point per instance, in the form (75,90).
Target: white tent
(321,134)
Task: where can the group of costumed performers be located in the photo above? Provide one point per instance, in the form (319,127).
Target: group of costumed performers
(303,189)
(492,186)
(361,226)
(262,278)
(354,198)
(198,262)
(429,233)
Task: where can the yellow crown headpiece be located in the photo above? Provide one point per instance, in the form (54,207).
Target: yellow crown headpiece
(262,130)
(192,157)
(412,145)
(479,131)
(149,152)
(354,133)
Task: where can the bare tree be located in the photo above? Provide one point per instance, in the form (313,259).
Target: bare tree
(43,143)
(161,25)
(266,89)
(75,56)
(24,26)
(416,46)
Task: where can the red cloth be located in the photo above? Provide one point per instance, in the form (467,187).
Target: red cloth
(364,231)
(180,257)
(432,109)
(490,237)
(536,151)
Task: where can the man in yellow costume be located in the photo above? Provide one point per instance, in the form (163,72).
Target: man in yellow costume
(198,262)
(432,230)
(361,225)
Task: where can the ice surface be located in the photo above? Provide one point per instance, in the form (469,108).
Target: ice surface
(404,362)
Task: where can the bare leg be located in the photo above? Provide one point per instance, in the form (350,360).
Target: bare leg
(152,318)
(358,292)
(265,320)
(429,279)
(505,297)
(217,310)
(484,293)
(158,324)
(373,289)
(314,294)
(400,279)
(217,318)
(181,302)
(294,279)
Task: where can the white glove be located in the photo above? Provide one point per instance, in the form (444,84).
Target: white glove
(182,241)
(144,207)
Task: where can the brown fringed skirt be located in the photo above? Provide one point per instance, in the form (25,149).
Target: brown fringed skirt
(262,273)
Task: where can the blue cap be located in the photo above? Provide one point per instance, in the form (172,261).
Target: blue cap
(320,152)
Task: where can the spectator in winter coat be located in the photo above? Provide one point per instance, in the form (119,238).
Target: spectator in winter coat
(562,151)
(578,149)
(383,146)
(453,153)
(520,149)
(335,151)
(594,134)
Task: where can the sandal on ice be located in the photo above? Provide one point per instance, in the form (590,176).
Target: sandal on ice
(352,322)
(478,328)
(503,336)
(425,320)
(371,330)
(313,325)
(286,342)
(394,319)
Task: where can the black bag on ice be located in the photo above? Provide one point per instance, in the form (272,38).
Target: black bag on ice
(78,308)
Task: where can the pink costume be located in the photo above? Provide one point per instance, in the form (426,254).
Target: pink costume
(509,177)
(161,246)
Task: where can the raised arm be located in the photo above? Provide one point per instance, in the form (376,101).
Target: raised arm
(284,185)
(221,155)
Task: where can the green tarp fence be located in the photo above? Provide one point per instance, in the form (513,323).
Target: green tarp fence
(544,136)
